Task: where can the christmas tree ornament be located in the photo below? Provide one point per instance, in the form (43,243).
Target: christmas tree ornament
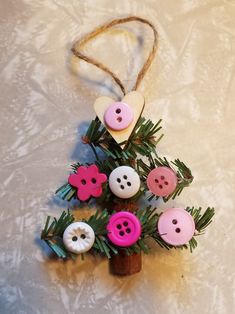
(126,169)
(78,237)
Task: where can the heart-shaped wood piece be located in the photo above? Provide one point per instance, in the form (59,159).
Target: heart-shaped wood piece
(134,99)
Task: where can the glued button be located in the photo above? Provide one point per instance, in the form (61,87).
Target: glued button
(124,182)
(124,229)
(78,237)
(162,181)
(88,181)
(176,226)
(118,116)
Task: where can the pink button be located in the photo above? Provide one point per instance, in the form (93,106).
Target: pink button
(124,229)
(176,226)
(88,181)
(162,181)
(118,116)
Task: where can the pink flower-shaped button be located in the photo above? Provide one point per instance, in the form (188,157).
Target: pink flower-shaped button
(176,226)
(88,182)
(162,181)
(124,229)
(118,116)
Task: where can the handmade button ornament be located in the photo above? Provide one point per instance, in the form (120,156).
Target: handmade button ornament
(123,135)
(118,116)
(176,226)
(162,181)
(88,181)
(124,182)
(124,229)
(78,237)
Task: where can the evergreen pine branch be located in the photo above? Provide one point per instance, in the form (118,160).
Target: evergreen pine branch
(57,227)
(142,140)
(148,219)
(98,137)
(202,221)
(66,192)
(53,232)
(98,223)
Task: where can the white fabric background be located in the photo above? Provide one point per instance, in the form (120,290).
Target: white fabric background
(46,100)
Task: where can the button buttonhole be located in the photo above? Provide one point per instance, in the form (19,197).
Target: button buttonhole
(118,180)
(119,119)
(156,180)
(83,236)
(166,183)
(128,230)
(93,180)
(122,187)
(174,221)
(177,230)
(74,238)
(119,226)
(162,178)
(118,110)
(125,224)
(125,177)
(121,233)
(83,181)
(160,186)
(129,183)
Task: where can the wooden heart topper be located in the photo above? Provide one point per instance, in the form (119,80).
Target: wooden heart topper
(134,99)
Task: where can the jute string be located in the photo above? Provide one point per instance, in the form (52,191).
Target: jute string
(76,49)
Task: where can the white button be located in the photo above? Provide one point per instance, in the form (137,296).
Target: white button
(78,237)
(124,182)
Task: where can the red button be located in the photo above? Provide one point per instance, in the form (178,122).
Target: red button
(124,229)
(162,181)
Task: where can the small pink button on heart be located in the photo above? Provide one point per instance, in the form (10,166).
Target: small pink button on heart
(124,229)
(162,181)
(176,226)
(118,116)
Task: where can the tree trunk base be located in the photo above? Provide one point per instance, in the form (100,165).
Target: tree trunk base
(124,265)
